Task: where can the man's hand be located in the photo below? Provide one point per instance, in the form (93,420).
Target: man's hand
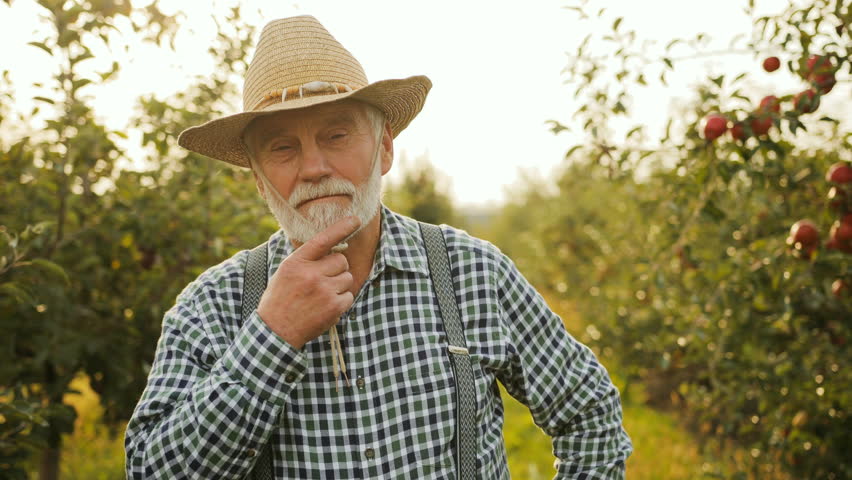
(310,289)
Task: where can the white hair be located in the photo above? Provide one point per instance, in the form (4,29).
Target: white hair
(366,198)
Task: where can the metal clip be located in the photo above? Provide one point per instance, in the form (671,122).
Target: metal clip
(458,350)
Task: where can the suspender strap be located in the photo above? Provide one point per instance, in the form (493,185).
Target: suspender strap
(254,283)
(466,434)
(466,446)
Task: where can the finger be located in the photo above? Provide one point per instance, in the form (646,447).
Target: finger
(321,244)
(333,264)
(345,300)
(340,283)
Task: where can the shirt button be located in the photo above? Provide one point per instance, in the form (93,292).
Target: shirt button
(251,453)
(369,453)
(375,283)
(290,378)
(360,382)
(352,316)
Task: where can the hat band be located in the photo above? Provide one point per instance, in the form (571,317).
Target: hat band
(310,89)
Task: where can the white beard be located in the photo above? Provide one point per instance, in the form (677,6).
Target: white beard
(366,200)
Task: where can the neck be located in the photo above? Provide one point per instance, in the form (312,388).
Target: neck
(361,251)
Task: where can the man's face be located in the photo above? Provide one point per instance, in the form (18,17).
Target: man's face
(326,162)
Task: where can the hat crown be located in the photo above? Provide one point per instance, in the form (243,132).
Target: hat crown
(296,51)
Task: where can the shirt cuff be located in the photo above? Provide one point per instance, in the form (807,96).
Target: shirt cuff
(262,361)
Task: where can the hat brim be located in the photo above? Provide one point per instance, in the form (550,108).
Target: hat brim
(399,99)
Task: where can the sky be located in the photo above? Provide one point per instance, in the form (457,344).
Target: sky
(495,67)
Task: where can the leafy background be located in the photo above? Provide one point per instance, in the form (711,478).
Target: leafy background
(666,255)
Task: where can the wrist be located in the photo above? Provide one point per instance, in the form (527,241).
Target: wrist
(280,329)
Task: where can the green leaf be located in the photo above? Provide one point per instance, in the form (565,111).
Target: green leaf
(668,62)
(579,11)
(78,84)
(556,127)
(83,56)
(616,23)
(106,75)
(12,290)
(633,131)
(45,100)
(51,268)
(711,210)
(673,43)
(718,80)
(572,150)
(42,46)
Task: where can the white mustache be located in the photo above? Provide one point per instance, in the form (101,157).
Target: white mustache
(332,186)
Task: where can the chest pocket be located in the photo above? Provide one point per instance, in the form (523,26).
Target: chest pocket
(429,399)
(429,371)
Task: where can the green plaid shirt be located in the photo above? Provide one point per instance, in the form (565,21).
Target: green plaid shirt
(219,387)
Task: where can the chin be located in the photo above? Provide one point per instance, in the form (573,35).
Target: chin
(319,206)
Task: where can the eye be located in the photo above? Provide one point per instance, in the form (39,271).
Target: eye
(281,148)
(338,135)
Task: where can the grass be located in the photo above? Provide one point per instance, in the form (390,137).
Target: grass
(92,452)
(663,448)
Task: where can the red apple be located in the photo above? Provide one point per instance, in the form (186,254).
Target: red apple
(771,64)
(840,172)
(837,199)
(806,101)
(831,245)
(841,233)
(823,82)
(804,235)
(761,124)
(738,132)
(715,126)
(838,287)
(819,64)
(770,103)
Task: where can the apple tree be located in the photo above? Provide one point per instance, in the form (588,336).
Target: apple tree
(714,261)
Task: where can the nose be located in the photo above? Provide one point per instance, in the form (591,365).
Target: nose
(314,166)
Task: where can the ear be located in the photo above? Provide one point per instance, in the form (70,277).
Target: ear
(387,148)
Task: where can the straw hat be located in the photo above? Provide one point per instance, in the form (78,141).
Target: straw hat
(299,64)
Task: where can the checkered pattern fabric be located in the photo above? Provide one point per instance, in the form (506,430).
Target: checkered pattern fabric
(217,392)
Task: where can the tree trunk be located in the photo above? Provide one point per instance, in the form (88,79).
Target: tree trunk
(49,468)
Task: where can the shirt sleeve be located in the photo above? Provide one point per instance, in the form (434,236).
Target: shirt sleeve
(569,393)
(203,417)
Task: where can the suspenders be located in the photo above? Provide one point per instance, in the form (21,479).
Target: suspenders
(466,445)
(254,284)
(466,434)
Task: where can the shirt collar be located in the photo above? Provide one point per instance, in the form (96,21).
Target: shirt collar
(400,246)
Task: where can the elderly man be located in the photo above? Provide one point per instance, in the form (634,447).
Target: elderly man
(376,347)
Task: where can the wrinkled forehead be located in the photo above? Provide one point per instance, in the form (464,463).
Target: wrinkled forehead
(344,113)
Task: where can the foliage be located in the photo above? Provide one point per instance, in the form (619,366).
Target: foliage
(54,174)
(29,286)
(422,193)
(128,240)
(676,252)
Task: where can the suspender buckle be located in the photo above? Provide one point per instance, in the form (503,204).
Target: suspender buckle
(457,350)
